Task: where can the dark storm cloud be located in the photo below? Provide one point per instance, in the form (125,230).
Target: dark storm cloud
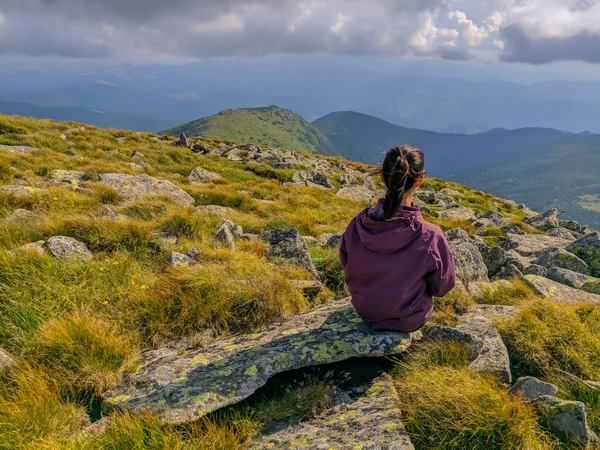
(519,47)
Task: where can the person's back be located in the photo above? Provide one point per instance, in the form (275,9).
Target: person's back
(394,261)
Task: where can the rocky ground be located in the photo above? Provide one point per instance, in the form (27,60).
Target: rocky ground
(183,278)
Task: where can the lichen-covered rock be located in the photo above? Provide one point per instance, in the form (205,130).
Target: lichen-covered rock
(470,265)
(311,177)
(183,141)
(309,288)
(347,179)
(180,260)
(534,269)
(588,249)
(458,213)
(519,261)
(490,353)
(493,257)
(226,236)
(287,244)
(545,221)
(19,190)
(559,293)
(509,272)
(557,257)
(493,355)
(530,389)
(64,247)
(16,148)
(200,175)
(185,387)
(335,240)
(19,215)
(533,244)
(567,420)
(492,312)
(67,176)
(133,188)
(6,361)
(575,280)
(359,193)
(562,233)
(365,417)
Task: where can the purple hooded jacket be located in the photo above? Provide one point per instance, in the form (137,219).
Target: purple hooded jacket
(395,267)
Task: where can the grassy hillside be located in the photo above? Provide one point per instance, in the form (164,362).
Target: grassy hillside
(96,117)
(78,327)
(272,126)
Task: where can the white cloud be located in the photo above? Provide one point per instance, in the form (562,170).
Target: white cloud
(472,33)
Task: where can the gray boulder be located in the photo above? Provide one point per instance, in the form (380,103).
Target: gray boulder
(558,292)
(19,190)
(335,240)
(6,361)
(19,215)
(368,414)
(287,244)
(63,247)
(183,141)
(575,280)
(182,388)
(531,389)
(557,257)
(67,176)
(562,233)
(509,272)
(200,175)
(493,257)
(458,213)
(215,209)
(469,263)
(16,148)
(34,247)
(588,249)
(347,179)
(133,188)
(519,261)
(567,420)
(225,236)
(533,244)
(180,260)
(311,177)
(534,269)
(545,221)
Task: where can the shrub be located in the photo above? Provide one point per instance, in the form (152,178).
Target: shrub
(545,336)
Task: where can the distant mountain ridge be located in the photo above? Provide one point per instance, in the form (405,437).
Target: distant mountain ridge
(271,126)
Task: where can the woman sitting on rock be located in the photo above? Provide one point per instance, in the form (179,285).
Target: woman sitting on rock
(394,261)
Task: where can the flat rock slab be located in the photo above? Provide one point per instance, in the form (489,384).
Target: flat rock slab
(496,311)
(183,388)
(365,417)
(559,292)
(16,148)
(133,188)
(534,244)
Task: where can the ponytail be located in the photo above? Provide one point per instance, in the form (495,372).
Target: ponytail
(402,167)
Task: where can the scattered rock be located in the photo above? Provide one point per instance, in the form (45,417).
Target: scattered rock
(184,388)
(534,269)
(566,419)
(109,213)
(73,131)
(6,361)
(16,148)
(557,257)
(492,312)
(469,263)
(533,244)
(225,236)
(335,240)
(67,176)
(164,240)
(136,167)
(509,272)
(34,247)
(451,192)
(215,209)
(19,190)
(367,414)
(19,215)
(133,188)
(493,257)
(562,233)
(287,244)
(200,175)
(137,155)
(545,221)
(349,180)
(458,213)
(180,260)
(588,249)
(194,253)
(531,389)
(183,141)
(122,140)
(457,234)
(517,260)
(559,293)
(64,247)
(310,288)
(310,178)
(575,280)
(357,193)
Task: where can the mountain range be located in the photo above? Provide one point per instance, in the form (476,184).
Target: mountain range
(541,167)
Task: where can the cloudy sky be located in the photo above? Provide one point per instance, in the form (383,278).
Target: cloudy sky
(510,31)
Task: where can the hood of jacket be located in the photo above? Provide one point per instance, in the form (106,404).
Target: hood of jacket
(388,236)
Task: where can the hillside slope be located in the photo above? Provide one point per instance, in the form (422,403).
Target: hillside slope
(272,126)
(195,300)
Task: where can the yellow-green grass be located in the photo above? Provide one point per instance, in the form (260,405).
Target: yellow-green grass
(513,293)
(448,406)
(546,336)
(446,309)
(327,262)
